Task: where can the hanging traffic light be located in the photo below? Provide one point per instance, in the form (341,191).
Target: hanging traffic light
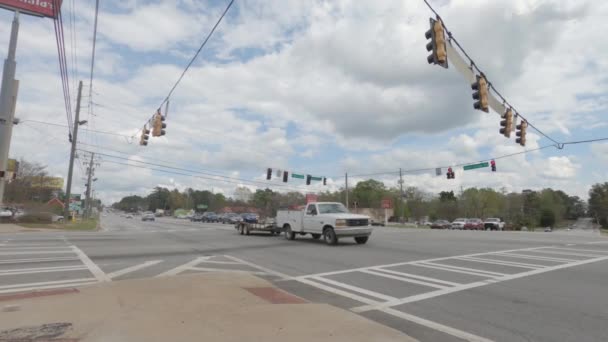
(308,179)
(285,176)
(493,165)
(507,123)
(437,45)
(145,135)
(450,174)
(269,174)
(159,126)
(324,181)
(480,93)
(521,132)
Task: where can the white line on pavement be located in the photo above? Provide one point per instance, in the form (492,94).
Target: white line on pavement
(42,270)
(403,279)
(570,253)
(355,289)
(37,288)
(468,269)
(502,263)
(582,250)
(46,283)
(261,268)
(435,326)
(183,267)
(210,269)
(36,252)
(220,262)
(538,257)
(124,271)
(437,267)
(97,272)
(36,260)
(13,247)
(415,276)
(338,291)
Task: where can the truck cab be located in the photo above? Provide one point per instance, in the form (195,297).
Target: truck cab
(330,220)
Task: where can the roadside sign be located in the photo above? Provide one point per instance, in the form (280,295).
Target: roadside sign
(318,179)
(311,198)
(295,175)
(39,8)
(387,203)
(476,166)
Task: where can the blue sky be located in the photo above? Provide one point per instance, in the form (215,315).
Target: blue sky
(319,87)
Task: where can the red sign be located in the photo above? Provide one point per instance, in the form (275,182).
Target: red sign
(40,8)
(387,204)
(311,198)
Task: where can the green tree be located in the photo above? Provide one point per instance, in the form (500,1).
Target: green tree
(369,193)
(598,203)
(547,218)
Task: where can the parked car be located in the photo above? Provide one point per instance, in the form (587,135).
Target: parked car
(474,224)
(129,216)
(225,218)
(493,224)
(441,224)
(210,217)
(458,223)
(250,218)
(234,219)
(148,217)
(197,218)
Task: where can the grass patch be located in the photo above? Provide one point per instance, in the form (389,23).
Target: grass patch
(84,225)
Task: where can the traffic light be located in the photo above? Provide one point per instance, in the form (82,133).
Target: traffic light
(285,176)
(268,174)
(521,132)
(159,126)
(493,165)
(450,174)
(507,123)
(324,181)
(145,135)
(308,179)
(480,93)
(436,46)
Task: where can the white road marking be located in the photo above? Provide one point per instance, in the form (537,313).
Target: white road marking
(209,269)
(220,262)
(355,289)
(181,268)
(502,263)
(596,242)
(403,279)
(46,283)
(477,284)
(415,276)
(38,248)
(261,268)
(570,253)
(124,271)
(93,268)
(43,270)
(38,288)
(338,291)
(36,252)
(36,260)
(437,267)
(538,257)
(582,250)
(436,326)
(468,269)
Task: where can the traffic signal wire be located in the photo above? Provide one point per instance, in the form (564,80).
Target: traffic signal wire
(193,58)
(490,85)
(85,129)
(63,68)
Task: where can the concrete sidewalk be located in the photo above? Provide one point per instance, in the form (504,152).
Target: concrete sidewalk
(201,307)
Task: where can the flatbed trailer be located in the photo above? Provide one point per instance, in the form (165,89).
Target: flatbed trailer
(245,228)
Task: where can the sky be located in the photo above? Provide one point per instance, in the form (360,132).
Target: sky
(315,87)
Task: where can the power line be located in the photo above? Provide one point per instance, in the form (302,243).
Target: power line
(85,129)
(490,85)
(63,70)
(561,146)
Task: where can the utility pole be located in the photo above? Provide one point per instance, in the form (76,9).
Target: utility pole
(68,189)
(90,172)
(346,183)
(401,193)
(8,101)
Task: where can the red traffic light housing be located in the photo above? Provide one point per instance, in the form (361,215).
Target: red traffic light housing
(450,174)
(493,165)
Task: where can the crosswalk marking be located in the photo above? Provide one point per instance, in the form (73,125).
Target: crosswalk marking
(441,268)
(502,263)
(603,252)
(538,257)
(407,280)
(42,270)
(355,288)
(415,276)
(134,268)
(570,253)
(468,269)
(37,260)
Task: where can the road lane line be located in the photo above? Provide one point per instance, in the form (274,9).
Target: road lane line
(356,289)
(435,326)
(37,288)
(93,268)
(503,263)
(221,262)
(211,269)
(42,270)
(36,260)
(415,276)
(124,271)
(181,268)
(334,290)
(538,257)
(438,267)
(36,252)
(570,253)
(403,279)
(47,283)
(605,252)
(433,294)
(468,269)
(261,268)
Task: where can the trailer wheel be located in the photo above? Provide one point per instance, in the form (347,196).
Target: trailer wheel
(241,229)
(330,236)
(361,239)
(316,236)
(247,232)
(289,235)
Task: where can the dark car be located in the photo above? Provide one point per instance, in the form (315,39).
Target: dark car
(474,224)
(234,219)
(211,217)
(225,218)
(441,224)
(197,218)
(250,218)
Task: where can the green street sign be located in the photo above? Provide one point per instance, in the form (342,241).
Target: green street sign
(476,166)
(295,175)
(316,178)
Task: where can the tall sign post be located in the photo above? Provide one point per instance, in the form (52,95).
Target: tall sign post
(10,86)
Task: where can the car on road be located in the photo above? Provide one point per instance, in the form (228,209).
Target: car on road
(474,224)
(458,223)
(234,219)
(225,218)
(210,217)
(148,217)
(250,218)
(129,216)
(441,224)
(492,223)
(197,218)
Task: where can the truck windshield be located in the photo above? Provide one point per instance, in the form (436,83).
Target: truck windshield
(330,208)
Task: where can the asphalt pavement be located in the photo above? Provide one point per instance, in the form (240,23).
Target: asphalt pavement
(435,285)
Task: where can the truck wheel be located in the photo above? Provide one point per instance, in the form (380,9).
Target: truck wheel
(330,236)
(315,236)
(289,235)
(361,239)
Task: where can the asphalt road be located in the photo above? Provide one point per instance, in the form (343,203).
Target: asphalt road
(434,285)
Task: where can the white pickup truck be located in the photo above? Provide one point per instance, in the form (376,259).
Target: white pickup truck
(493,224)
(328,219)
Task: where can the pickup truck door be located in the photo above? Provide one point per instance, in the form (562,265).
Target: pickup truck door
(311,221)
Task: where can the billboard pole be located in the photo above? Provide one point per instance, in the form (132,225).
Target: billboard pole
(8,100)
